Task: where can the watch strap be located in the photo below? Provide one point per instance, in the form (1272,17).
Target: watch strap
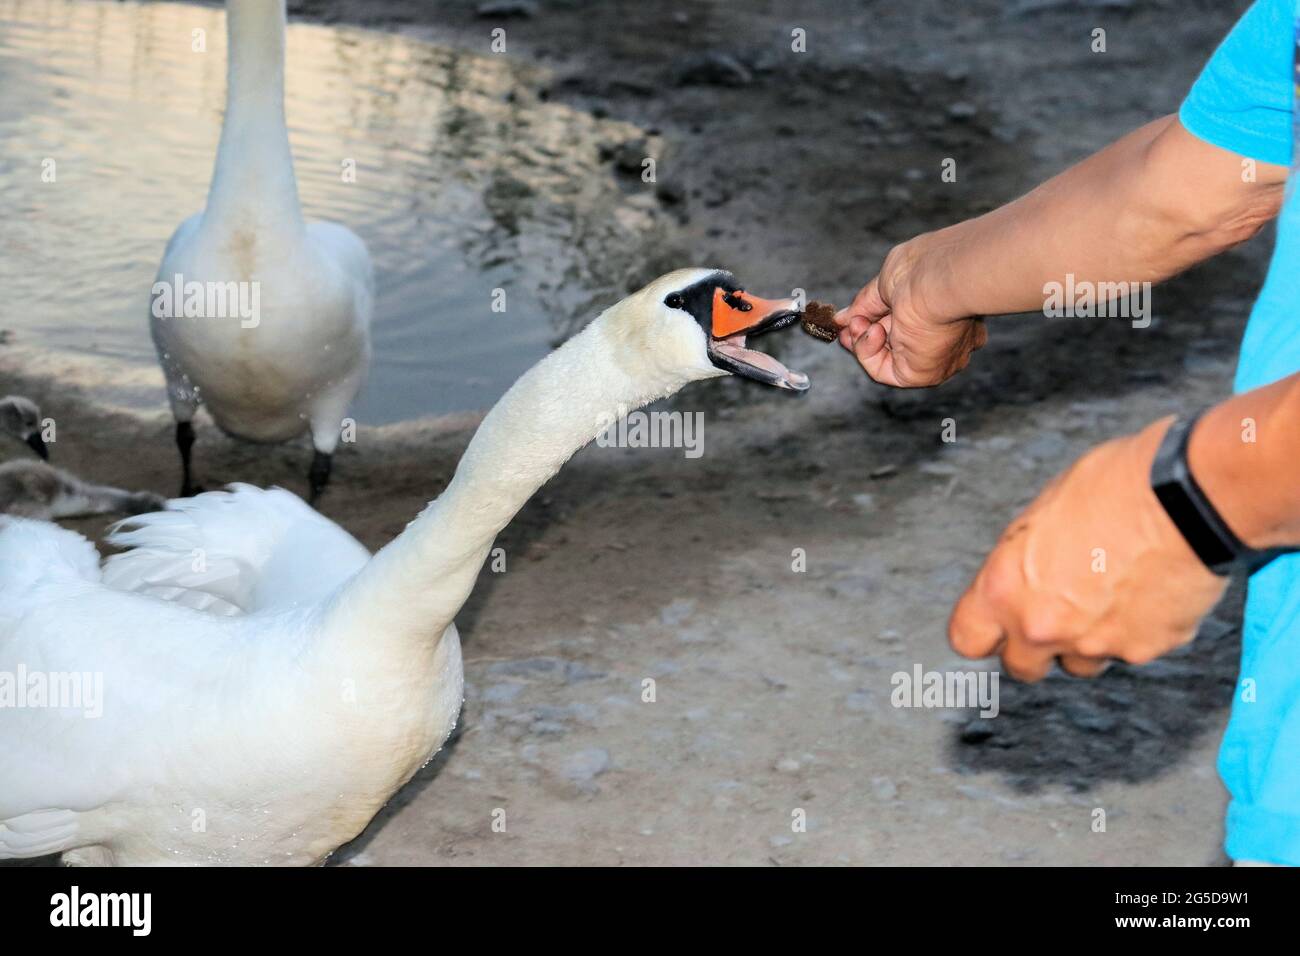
(1192,512)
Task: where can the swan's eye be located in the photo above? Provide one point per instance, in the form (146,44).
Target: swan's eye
(674,300)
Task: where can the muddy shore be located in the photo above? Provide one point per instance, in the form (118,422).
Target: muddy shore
(773,687)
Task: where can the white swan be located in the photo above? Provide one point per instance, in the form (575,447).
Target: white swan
(282,341)
(266,684)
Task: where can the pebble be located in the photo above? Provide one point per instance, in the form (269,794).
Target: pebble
(977,731)
(676,613)
(508,8)
(859,700)
(584,766)
(629,156)
(714,69)
(502,693)
(671,193)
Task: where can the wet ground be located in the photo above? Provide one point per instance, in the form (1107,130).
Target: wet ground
(773,687)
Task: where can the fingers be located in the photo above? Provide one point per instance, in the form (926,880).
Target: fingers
(1026,661)
(874,355)
(975,628)
(867,304)
(858,325)
(1077,665)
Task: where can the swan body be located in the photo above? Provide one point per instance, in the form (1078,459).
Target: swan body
(288,345)
(267,684)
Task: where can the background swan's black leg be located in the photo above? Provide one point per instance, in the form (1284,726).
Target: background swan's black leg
(185,442)
(319,475)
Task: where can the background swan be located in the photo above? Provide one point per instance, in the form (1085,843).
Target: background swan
(295,357)
(267,685)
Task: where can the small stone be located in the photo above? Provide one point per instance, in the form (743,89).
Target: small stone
(859,700)
(629,156)
(714,69)
(977,731)
(575,672)
(584,766)
(505,9)
(677,613)
(502,693)
(671,193)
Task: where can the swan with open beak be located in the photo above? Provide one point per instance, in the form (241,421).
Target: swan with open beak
(730,316)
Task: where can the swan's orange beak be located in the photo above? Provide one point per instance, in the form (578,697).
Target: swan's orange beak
(739,313)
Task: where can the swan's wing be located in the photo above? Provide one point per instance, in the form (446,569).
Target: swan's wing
(35,553)
(35,556)
(101,665)
(232,552)
(39,833)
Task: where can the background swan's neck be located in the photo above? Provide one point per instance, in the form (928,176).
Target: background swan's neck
(413,588)
(253,185)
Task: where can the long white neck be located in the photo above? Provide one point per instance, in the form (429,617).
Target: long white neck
(253,186)
(411,590)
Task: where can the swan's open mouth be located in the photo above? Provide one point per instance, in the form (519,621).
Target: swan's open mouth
(730,353)
(738,315)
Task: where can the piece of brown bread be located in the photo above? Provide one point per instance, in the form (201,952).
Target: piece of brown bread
(819,321)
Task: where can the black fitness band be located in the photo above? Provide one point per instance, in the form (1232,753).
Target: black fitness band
(1194,515)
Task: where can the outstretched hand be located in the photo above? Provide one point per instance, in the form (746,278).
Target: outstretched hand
(1094,569)
(902,330)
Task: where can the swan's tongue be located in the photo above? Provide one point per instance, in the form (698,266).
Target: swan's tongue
(759,365)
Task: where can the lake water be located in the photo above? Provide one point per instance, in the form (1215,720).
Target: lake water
(465,182)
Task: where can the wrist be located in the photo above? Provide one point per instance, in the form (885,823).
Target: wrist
(1215,511)
(1235,457)
(926,275)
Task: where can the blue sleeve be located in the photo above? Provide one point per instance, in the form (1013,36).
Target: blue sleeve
(1243,99)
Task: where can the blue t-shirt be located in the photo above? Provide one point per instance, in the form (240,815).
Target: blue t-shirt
(1245,101)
